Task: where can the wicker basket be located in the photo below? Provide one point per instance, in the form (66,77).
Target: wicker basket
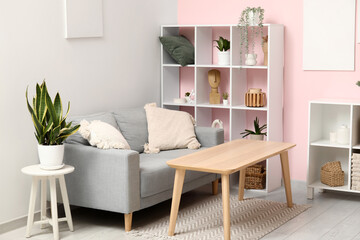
(254,169)
(255,177)
(332,175)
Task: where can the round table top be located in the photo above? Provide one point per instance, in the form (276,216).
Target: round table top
(35,170)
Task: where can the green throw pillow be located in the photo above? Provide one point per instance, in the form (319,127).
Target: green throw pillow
(179,48)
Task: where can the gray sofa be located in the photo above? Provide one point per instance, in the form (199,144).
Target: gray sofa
(126,181)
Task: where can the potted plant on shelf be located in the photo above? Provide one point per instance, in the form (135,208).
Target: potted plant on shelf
(225,98)
(250,25)
(258,133)
(187,97)
(223,54)
(51,128)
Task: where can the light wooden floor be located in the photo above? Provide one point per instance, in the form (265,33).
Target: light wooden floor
(332,216)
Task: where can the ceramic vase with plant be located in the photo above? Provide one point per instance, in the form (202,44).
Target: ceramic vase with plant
(187,97)
(251,26)
(223,45)
(225,98)
(51,128)
(258,133)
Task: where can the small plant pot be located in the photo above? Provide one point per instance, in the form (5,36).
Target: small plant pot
(224,58)
(250,59)
(256,137)
(188,99)
(225,102)
(51,156)
(254,18)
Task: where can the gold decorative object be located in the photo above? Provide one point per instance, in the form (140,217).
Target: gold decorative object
(214,81)
(255,98)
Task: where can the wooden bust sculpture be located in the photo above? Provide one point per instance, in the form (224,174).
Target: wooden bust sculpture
(214,81)
(265,50)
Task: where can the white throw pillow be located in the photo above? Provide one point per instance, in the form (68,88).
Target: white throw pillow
(169,129)
(102,135)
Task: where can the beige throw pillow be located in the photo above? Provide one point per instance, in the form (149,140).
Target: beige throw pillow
(102,135)
(169,129)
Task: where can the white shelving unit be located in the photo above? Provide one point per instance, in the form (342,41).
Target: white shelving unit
(235,79)
(327,116)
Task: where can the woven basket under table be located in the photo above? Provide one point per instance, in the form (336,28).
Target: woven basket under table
(255,180)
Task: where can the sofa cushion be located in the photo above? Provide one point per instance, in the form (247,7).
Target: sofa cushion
(179,48)
(103,116)
(102,135)
(156,176)
(133,126)
(169,129)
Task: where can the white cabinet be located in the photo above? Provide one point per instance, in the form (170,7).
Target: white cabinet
(327,116)
(236,79)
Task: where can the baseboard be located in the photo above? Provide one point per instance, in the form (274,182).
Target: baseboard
(22,221)
(16,223)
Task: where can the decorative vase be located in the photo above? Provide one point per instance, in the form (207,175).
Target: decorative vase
(224,58)
(254,18)
(217,122)
(250,59)
(51,156)
(343,135)
(225,102)
(256,137)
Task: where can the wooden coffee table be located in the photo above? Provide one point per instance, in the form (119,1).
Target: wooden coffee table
(226,159)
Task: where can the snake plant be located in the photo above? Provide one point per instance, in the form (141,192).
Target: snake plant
(50,124)
(257,129)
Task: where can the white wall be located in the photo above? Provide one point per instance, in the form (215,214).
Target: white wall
(95,74)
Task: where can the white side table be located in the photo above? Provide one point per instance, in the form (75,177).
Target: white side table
(39,174)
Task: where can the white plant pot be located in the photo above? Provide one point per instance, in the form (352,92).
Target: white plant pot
(225,102)
(188,99)
(256,137)
(250,59)
(51,156)
(254,18)
(224,58)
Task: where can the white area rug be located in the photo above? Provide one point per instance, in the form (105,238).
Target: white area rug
(250,219)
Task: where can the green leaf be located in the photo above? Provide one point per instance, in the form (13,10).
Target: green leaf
(66,132)
(51,109)
(42,103)
(67,112)
(27,101)
(37,99)
(39,128)
(58,106)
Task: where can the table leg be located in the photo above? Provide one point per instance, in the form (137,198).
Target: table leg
(65,199)
(43,201)
(33,193)
(241,184)
(225,186)
(286,176)
(178,185)
(54,213)
(215,187)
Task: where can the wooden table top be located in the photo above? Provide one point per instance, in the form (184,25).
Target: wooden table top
(230,157)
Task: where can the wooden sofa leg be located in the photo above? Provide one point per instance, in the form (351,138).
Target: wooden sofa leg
(128,221)
(215,187)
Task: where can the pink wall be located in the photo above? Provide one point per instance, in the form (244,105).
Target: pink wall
(299,86)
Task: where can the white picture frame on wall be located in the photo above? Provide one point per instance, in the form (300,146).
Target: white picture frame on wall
(83,18)
(329,35)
